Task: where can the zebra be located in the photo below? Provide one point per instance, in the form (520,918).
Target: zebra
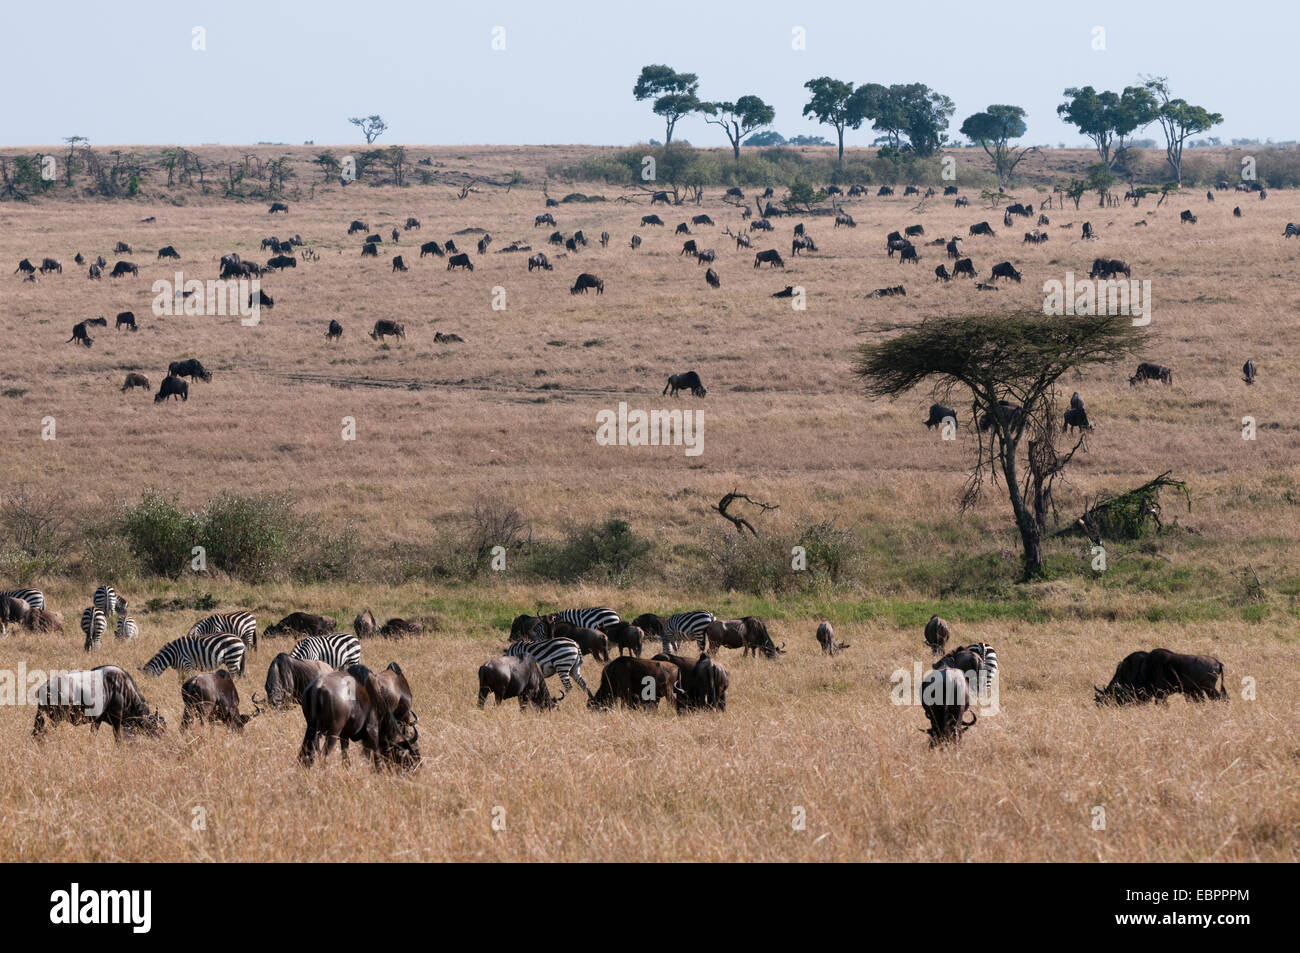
(127,628)
(555,657)
(688,624)
(595,618)
(239,623)
(33,597)
(990,672)
(94,623)
(205,653)
(108,601)
(339,649)
(1291,229)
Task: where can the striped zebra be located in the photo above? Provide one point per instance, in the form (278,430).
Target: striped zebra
(94,623)
(33,597)
(337,649)
(690,625)
(108,601)
(990,672)
(555,657)
(1292,229)
(126,628)
(239,623)
(595,618)
(204,653)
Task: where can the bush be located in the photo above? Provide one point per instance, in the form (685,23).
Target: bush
(250,537)
(606,552)
(752,565)
(160,534)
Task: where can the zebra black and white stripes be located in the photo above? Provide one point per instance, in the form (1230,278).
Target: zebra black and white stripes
(108,601)
(690,625)
(239,622)
(33,597)
(94,624)
(594,618)
(338,649)
(127,628)
(204,653)
(990,657)
(555,657)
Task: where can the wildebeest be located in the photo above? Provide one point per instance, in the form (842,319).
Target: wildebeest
(431,248)
(938,413)
(460,261)
(1236,211)
(260,299)
(1087,231)
(103,694)
(689,247)
(483,243)
(190,367)
(604,239)
(945,697)
(826,639)
(950,190)
(544,219)
(370,249)
(936,634)
(539,260)
(1035,237)
(701,220)
(1109,268)
(1076,418)
(801,243)
(961,202)
(13,611)
(884,190)
(411,223)
(396,236)
(172,386)
(96,271)
(982,228)
(688,381)
(335,331)
(80,335)
(287,678)
(592,642)
(49,264)
(712,279)
(1006,411)
(708,256)
(964,266)
(661,197)
(771,257)
(701,682)
(626,636)
(514,677)
(586,281)
(283,261)
(908,253)
(398,264)
(212,697)
(635,682)
(167,251)
(1248,372)
(892,291)
(451,246)
(845,219)
(651,220)
(342,706)
(135,380)
(1147,371)
(124,268)
(954,252)
(556,238)
(26,267)
(757,640)
(941,273)
(1188,217)
(392,686)
(1155,675)
(121,248)
(1004,269)
(786,292)
(298,624)
(762,225)
(913,230)
(277,207)
(682,229)
(385,328)
(570,244)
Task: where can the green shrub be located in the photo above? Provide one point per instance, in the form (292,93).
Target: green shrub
(607,552)
(250,537)
(160,534)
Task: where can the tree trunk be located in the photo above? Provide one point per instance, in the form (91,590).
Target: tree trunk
(1031,539)
(840,130)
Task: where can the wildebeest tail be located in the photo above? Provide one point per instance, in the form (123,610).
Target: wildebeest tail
(1223,684)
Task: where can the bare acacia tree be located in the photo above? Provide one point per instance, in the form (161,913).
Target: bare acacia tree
(1004,361)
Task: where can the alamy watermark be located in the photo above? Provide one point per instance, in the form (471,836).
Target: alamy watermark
(1098,296)
(652,428)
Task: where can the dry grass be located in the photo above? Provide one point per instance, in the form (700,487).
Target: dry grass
(441,426)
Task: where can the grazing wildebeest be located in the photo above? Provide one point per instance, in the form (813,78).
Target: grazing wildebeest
(212,697)
(626,636)
(1087,231)
(299,624)
(1248,372)
(557,238)
(711,277)
(96,271)
(277,207)
(636,682)
(688,381)
(936,634)
(1006,411)
(801,243)
(392,686)
(135,380)
(964,266)
(826,639)
(49,264)
(701,683)
(430,248)
(1147,371)
(682,229)
(335,331)
(950,190)
(261,298)
(651,220)
(945,697)
(586,281)
(1209,196)
(1035,237)
(1236,211)
(604,239)
(283,261)
(890,292)
(688,247)
(460,261)
(570,245)
(80,335)
(762,225)
(941,273)
(451,246)
(103,694)
(342,706)
(708,255)
(124,268)
(385,328)
(953,251)
(398,264)
(961,202)
(1005,269)
(1187,216)
(1076,418)
(908,253)
(1109,268)
(396,236)
(884,190)
(511,677)
(483,243)
(982,228)
(121,248)
(190,367)
(701,220)
(539,260)
(545,218)
(167,251)
(771,257)
(592,642)
(661,197)
(13,611)
(172,386)
(845,219)
(913,230)
(411,223)
(26,267)
(287,678)
(938,412)
(1155,675)
(370,249)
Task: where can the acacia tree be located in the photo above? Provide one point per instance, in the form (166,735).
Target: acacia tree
(993,129)
(740,119)
(372,127)
(1013,358)
(836,103)
(1108,118)
(1178,119)
(673,94)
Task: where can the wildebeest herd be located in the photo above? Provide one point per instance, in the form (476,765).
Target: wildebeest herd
(343,701)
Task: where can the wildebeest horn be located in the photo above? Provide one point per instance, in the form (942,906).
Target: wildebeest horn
(415,719)
(973,719)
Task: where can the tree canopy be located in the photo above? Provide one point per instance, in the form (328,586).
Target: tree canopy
(674,94)
(740,119)
(372,127)
(1108,118)
(993,129)
(1179,120)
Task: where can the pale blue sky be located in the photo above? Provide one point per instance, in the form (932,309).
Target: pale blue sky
(126,73)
